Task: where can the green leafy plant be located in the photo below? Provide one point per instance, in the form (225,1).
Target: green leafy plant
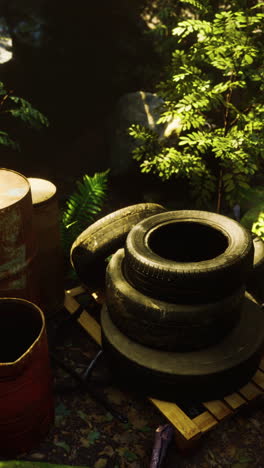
(258,226)
(82,207)
(214,86)
(17,107)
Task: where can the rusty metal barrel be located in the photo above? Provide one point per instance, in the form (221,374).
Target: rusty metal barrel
(18,267)
(49,256)
(26,399)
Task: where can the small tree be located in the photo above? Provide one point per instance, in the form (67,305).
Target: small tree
(215,86)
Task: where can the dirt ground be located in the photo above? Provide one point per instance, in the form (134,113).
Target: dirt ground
(88,434)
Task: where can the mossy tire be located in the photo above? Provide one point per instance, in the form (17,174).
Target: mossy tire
(103,238)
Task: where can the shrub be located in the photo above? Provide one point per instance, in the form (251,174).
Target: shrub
(17,107)
(215,85)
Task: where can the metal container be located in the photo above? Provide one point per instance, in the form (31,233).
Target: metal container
(26,400)
(49,256)
(18,267)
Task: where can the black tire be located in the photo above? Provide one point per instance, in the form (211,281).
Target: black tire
(255,283)
(104,237)
(199,375)
(188,256)
(165,325)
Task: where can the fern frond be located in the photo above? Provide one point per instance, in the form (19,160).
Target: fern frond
(82,207)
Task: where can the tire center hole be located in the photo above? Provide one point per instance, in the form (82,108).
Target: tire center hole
(187,241)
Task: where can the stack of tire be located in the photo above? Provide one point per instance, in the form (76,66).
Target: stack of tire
(177,323)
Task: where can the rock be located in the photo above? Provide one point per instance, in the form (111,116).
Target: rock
(134,108)
(6,53)
(37,456)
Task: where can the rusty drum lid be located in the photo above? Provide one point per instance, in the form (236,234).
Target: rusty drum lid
(13,187)
(42,190)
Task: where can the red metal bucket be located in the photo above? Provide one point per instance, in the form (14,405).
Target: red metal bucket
(26,399)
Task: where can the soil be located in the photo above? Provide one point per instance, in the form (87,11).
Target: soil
(87,433)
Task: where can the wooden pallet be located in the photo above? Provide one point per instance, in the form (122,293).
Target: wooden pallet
(188,430)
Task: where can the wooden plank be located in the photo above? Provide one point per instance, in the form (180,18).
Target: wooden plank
(90,325)
(99,296)
(235,400)
(218,409)
(173,413)
(261,365)
(250,391)
(259,379)
(76,291)
(205,421)
(186,427)
(187,431)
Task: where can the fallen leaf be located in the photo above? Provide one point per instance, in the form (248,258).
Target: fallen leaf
(84,442)
(63,445)
(61,410)
(115,395)
(231,450)
(124,438)
(109,417)
(140,451)
(130,456)
(93,436)
(108,450)
(28,464)
(82,415)
(136,419)
(37,456)
(144,429)
(243,456)
(240,465)
(98,418)
(100,463)
(127,426)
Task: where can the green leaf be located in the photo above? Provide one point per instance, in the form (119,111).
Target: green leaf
(61,410)
(109,417)
(248,59)
(5,140)
(26,112)
(130,456)
(82,415)
(145,429)
(93,436)
(63,445)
